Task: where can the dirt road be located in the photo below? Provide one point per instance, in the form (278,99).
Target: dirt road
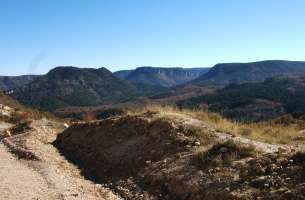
(18,181)
(53,177)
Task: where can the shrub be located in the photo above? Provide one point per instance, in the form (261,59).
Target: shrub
(224,153)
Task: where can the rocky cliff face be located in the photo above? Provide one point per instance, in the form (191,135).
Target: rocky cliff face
(153,80)
(166,77)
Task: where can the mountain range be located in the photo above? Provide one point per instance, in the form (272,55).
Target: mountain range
(152,80)
(76,87)
(223,74)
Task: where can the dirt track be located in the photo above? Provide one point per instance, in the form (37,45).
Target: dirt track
(51,178)
(18,179)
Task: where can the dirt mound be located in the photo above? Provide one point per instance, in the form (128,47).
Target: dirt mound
(120,147)
(146,158)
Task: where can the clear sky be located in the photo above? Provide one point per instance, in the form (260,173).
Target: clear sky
(37,35)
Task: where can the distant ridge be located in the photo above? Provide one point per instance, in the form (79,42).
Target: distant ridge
(122,73)
(226,73)
(157,79)
(72,86)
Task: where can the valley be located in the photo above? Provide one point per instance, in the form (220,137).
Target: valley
(152,100)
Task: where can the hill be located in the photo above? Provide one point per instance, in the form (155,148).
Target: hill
(223,74)
(256,101)
(152,80)
(12,82)
(71,86)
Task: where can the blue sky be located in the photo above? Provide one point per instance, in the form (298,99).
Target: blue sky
(37,35)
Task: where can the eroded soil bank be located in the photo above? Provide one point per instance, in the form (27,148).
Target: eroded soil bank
(151,157)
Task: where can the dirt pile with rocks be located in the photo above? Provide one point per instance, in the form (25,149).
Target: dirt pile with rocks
(262,176)
(114,148)
(146,158)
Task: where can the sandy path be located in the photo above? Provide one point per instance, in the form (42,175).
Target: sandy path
(19,181)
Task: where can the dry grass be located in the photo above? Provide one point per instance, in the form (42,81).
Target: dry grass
(282,131)
(262,131)
(224,153)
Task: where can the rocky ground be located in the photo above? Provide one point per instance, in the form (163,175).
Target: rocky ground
(174,156)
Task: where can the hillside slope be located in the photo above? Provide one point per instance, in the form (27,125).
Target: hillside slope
(12,82)
(256,101)
(71,86)
(223,74)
